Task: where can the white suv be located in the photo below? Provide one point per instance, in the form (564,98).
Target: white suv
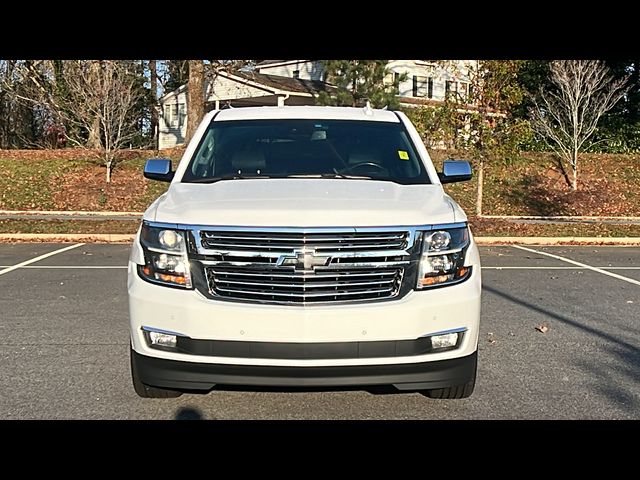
(304,246)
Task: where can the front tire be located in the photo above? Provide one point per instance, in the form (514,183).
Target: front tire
(146,391)
(453,393)
(450,393)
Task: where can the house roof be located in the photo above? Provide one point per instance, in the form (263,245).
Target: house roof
(268,62)
(287,84)
(264,63)
(274,84)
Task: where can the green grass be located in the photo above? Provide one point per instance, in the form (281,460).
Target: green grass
(29,184)
(503,228)
(153,191)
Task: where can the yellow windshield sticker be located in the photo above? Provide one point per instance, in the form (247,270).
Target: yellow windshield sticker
(403,155)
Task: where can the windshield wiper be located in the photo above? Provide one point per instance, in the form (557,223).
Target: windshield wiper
(229,176)
(328,175)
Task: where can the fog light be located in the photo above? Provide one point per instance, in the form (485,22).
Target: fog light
(446,340)
(162,339)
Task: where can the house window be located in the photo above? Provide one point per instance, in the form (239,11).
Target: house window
(181,114)
(449,86)
(168,118)
(423,86)
(396,78)
(463,89)
(174,115)
(296,74)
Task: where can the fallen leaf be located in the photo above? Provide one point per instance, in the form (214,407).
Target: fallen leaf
(629,301)
(542,328)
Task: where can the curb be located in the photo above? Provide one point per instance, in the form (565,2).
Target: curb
(558,240)
(558,217)
(128,237)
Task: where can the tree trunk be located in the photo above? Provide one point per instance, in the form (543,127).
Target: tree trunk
(195,97)
(574,182)
(480,187)
(153,74)
(94,140)
(108,163)
(94,134)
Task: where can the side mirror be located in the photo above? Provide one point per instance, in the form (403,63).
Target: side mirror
(455,171)
(158,169)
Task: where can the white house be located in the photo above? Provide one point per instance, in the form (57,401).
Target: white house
(298,82)
(429,82)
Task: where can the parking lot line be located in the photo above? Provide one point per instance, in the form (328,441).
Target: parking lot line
(124,267)
(38,258)
(579,264)
(551,268)
(70,267)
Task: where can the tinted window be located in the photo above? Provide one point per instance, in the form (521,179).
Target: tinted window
(293,148)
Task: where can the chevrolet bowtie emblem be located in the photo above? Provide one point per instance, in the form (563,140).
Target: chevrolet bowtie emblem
(303,260)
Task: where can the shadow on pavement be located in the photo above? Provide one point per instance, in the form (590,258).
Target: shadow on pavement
(625,355)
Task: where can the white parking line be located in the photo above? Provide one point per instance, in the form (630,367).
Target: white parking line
(70,267)
(124,267)
(554,268)
(37,259)
(579,264)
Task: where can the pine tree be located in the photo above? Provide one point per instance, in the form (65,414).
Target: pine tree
(358,81)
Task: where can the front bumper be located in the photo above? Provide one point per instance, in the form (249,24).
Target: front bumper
(416,315)
(178,375)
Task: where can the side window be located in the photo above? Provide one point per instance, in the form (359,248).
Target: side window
(204,163)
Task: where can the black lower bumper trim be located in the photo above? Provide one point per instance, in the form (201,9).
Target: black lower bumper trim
(307,351)
(159,372)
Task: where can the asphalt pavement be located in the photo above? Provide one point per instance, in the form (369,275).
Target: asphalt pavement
(64,344)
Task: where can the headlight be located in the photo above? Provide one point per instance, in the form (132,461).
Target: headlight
(166,258)
(442,258)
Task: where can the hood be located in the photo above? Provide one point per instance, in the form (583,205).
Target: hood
(303,203)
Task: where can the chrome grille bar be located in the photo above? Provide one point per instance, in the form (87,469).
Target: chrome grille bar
(255,265)
(284,242)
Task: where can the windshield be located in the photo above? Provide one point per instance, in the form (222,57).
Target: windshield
(305,148)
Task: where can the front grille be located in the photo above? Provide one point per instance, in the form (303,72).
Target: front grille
(291,286)
(303,266)
(288,241)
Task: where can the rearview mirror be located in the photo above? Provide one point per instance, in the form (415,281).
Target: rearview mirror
(455,171)
(158,169)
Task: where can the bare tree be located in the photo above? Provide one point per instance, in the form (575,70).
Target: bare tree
(195,97)
(91,103)
(105,95)
(567,114)
(153,78)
